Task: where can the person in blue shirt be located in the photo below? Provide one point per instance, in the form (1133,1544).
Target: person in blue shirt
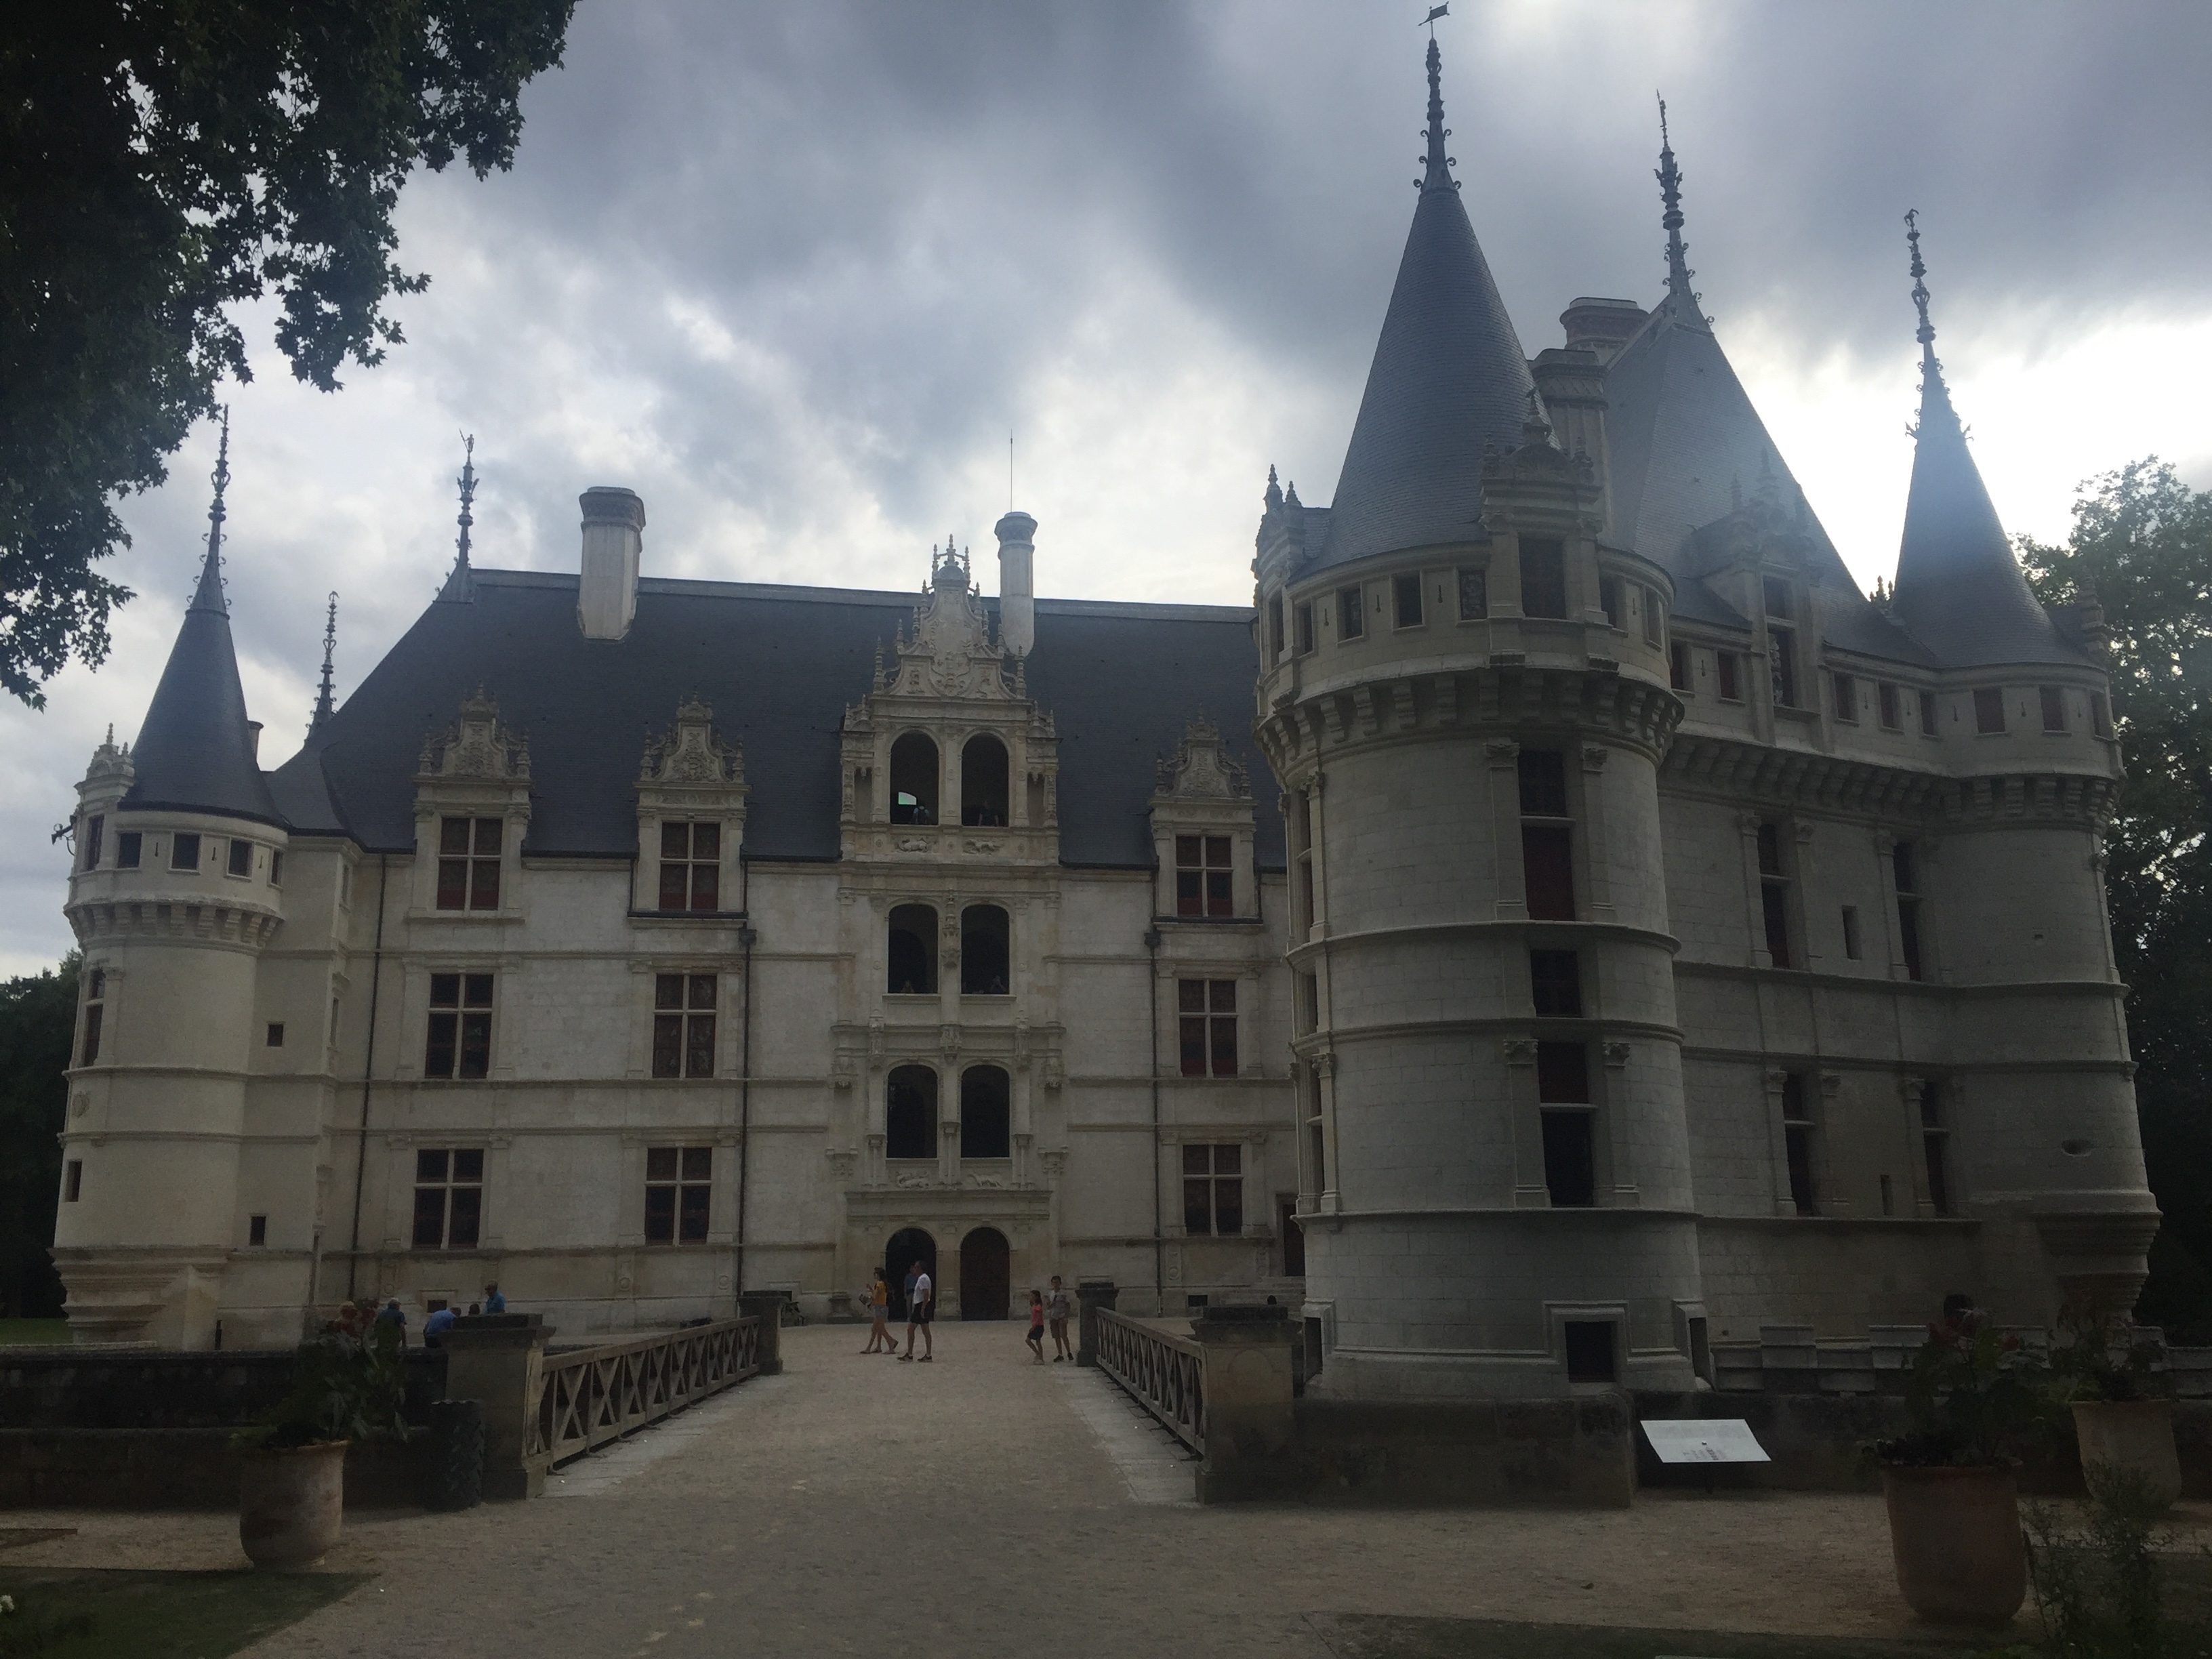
(435,1327)
(494,1302)
(390,1315)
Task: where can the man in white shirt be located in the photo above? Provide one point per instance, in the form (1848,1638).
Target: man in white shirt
(921,1307)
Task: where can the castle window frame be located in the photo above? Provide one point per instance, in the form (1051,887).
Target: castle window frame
(987,1118)
(910,1096)
(1846,689)
(1274,627)
(1206,1027)
(1774,895)
(1798,1135)
(274,1036)
(96,829)
(1303,828)
(1351,613)
(1473,581)
(1989,711)
(1610,599)
(1406,609)
(691,864)
(1904,863)
(986,950)
(470,852)
(239,862)
(679,1194)
(1851,932)
(95,1016)
(911,932)
(1889,706)
(184,853)
(1302,623)
(1728,673)
(130,848)
(1213,1189)
(1782,665)
(1206,876)
(916,778)
(1927,715)
(275,867)
(1654,616)
(1570,1124)
(448,1198)
(1547,853)
(986,796)
(2053,700)
(456,1037)
(1678,668)
(684,1009)
(1543,577)
(72,1180)
(1935,1148)
(1555,983)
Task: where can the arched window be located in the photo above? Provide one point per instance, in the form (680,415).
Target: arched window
(913,779)
(910,1113)
(983,782)
(985,959)
(987,1124)
(912,952)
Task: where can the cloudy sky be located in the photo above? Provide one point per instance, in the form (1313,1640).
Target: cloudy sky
(794,272)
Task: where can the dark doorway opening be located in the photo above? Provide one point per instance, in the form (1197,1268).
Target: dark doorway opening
(985,1274)
(908,1245)
(910,1113)
(1589,1348)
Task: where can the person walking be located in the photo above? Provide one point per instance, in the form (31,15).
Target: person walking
(880,1340)
(920,1298)
(1055,1310)
(1035,1338)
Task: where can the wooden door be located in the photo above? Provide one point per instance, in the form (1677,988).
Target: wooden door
(985,1274)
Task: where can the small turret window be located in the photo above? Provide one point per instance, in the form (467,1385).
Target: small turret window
(1274,627)
(242,856)
(1847,698)
(1892,714)
(128,845)
(1989,710)
(184,853)
(1654,617)
(1797,1144)
(1473,592)
(1570,1125)
(1303,623)
(2054,708)
(1903,867)
(1405,598)
(1609,600)
(1731,684)
(95,1005)
(1351,614)
(1774,895)
(1543,577)
(93,828)
(1546,837)
(1926,714)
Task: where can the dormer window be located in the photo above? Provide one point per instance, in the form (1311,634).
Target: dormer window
(94,827)
(1204,877)
(468,863)
(1777,598)
(690,865)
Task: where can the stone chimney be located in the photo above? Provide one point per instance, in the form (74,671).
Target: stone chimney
(1601,325)
(1017,587)
(1573,388)
(614,537)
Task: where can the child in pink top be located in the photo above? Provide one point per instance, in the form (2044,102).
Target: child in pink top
(1035,1338)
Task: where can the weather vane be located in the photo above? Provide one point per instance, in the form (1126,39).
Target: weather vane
(1430,22)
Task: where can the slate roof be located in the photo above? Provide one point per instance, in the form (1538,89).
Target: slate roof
(195,751)
(1959,590)
(778,666)
(1449,375)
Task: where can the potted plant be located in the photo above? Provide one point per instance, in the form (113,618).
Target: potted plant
(348,1383)
(1948,1481)
(2123,1412)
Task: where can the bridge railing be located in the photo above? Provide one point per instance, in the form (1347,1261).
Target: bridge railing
(589,1397)
(1164,1373)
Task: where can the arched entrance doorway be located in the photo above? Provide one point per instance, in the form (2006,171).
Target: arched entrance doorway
(985,1274)
(908,1245)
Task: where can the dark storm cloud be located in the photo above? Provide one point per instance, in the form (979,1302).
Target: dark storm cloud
(794,271)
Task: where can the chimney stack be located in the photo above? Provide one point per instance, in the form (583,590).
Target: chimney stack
(614,537)
(1017,585)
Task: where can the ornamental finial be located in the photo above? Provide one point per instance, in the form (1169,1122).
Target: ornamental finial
(207,596)
(1670,194)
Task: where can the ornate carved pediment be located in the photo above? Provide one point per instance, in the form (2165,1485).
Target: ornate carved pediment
(1202,769)
(111,771)
(476,746)
(691,754)
(949,651)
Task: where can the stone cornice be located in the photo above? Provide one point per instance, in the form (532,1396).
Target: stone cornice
(195,920)
(1740,772)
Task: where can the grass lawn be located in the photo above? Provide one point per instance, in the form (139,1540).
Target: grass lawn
(34,1334)
(159,1615)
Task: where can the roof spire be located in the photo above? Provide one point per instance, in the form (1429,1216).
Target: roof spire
(461,585)
(1438,174)
(325,705)
(1670,193)
(1926,332)
(207,596)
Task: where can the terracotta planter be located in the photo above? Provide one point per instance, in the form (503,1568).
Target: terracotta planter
(2132,1434)
(291,1504)
(1954,1534)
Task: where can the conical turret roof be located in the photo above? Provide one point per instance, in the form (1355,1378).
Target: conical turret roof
(1959,590)
(195,751)
(1449,376)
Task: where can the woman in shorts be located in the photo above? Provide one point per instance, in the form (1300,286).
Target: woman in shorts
(880,1340)
(1035,1338)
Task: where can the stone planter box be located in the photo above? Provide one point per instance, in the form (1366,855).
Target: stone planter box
(1954,1534)
(2131,1434)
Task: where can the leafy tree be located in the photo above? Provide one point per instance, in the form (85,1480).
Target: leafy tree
(160,163)
(2143,542)
(38,1022)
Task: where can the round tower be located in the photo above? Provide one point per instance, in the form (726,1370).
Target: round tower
(175,890)
(1464,694)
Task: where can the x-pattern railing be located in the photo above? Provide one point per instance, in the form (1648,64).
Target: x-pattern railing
(590,1396)
(1164,1373)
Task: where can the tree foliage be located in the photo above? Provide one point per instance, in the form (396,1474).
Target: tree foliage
(161,163)
(2143,542)
(38,1022)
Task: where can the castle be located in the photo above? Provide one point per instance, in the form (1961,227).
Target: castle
(1563,926)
